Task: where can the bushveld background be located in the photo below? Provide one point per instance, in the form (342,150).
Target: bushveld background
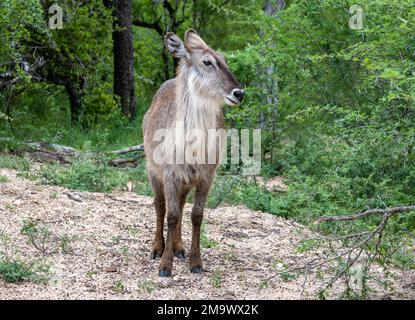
(336,106)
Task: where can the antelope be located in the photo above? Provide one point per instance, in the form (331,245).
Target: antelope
(194,99)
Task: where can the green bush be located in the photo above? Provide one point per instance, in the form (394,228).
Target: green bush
(83,175)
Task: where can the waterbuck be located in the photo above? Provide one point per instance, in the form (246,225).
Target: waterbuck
(191,102)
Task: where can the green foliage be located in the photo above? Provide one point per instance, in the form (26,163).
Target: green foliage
(18,18)
(15,163)
(16,271)
(83,175)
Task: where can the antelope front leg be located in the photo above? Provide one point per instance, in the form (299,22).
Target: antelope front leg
(202,190)
(166,263)
(173,216)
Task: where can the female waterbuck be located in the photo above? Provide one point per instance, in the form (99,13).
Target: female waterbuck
(183,111)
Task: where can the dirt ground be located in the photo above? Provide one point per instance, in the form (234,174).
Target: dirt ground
(109,256)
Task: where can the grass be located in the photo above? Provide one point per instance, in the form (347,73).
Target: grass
(263,284)
(3,179)
(147,286)
(204,240)
(15,163)
(92,175)
(216,279)
(119,287)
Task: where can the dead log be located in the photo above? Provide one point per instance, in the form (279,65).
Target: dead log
(43,151)
(129,149)
(63,150)
(126,162)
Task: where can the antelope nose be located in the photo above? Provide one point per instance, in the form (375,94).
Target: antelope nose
(238,94)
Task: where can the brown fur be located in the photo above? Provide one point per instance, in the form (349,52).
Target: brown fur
(198,104)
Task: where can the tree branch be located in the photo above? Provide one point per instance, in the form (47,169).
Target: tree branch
(366,213)
(154,25)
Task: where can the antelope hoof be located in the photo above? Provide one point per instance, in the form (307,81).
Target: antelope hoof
(157,250)
(197,270)
(164,273)
(155,255)
(180,254)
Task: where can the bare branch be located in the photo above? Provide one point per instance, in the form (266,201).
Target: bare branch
(366,213)
(149,25)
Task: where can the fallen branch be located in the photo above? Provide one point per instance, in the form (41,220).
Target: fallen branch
(129,149)
(74,197)
(125,162)
(48,152)
(366,213)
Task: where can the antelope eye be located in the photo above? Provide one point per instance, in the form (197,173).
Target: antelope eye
(207,62)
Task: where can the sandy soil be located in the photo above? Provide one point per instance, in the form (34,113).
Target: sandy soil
(109,257)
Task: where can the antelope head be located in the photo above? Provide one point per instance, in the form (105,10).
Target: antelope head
(205,71)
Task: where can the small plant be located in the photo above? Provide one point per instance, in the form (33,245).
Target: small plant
(11,208)
(3,179)
(204,240)
(286,276)
(277,264)
(91,273)
(263,284)
(14,269)
(133,231)
(38,236)
(147,286)
(119,287)
(307,245)
(231,256)
(116,239)
(125,254)
(42,239)
(64,243)
(216,279)
(54,195)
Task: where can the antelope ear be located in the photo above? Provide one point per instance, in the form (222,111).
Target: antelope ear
(193,41)
(176,46)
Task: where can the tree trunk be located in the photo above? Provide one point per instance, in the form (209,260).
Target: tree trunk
(122,35)
(271,8)
(74,100)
